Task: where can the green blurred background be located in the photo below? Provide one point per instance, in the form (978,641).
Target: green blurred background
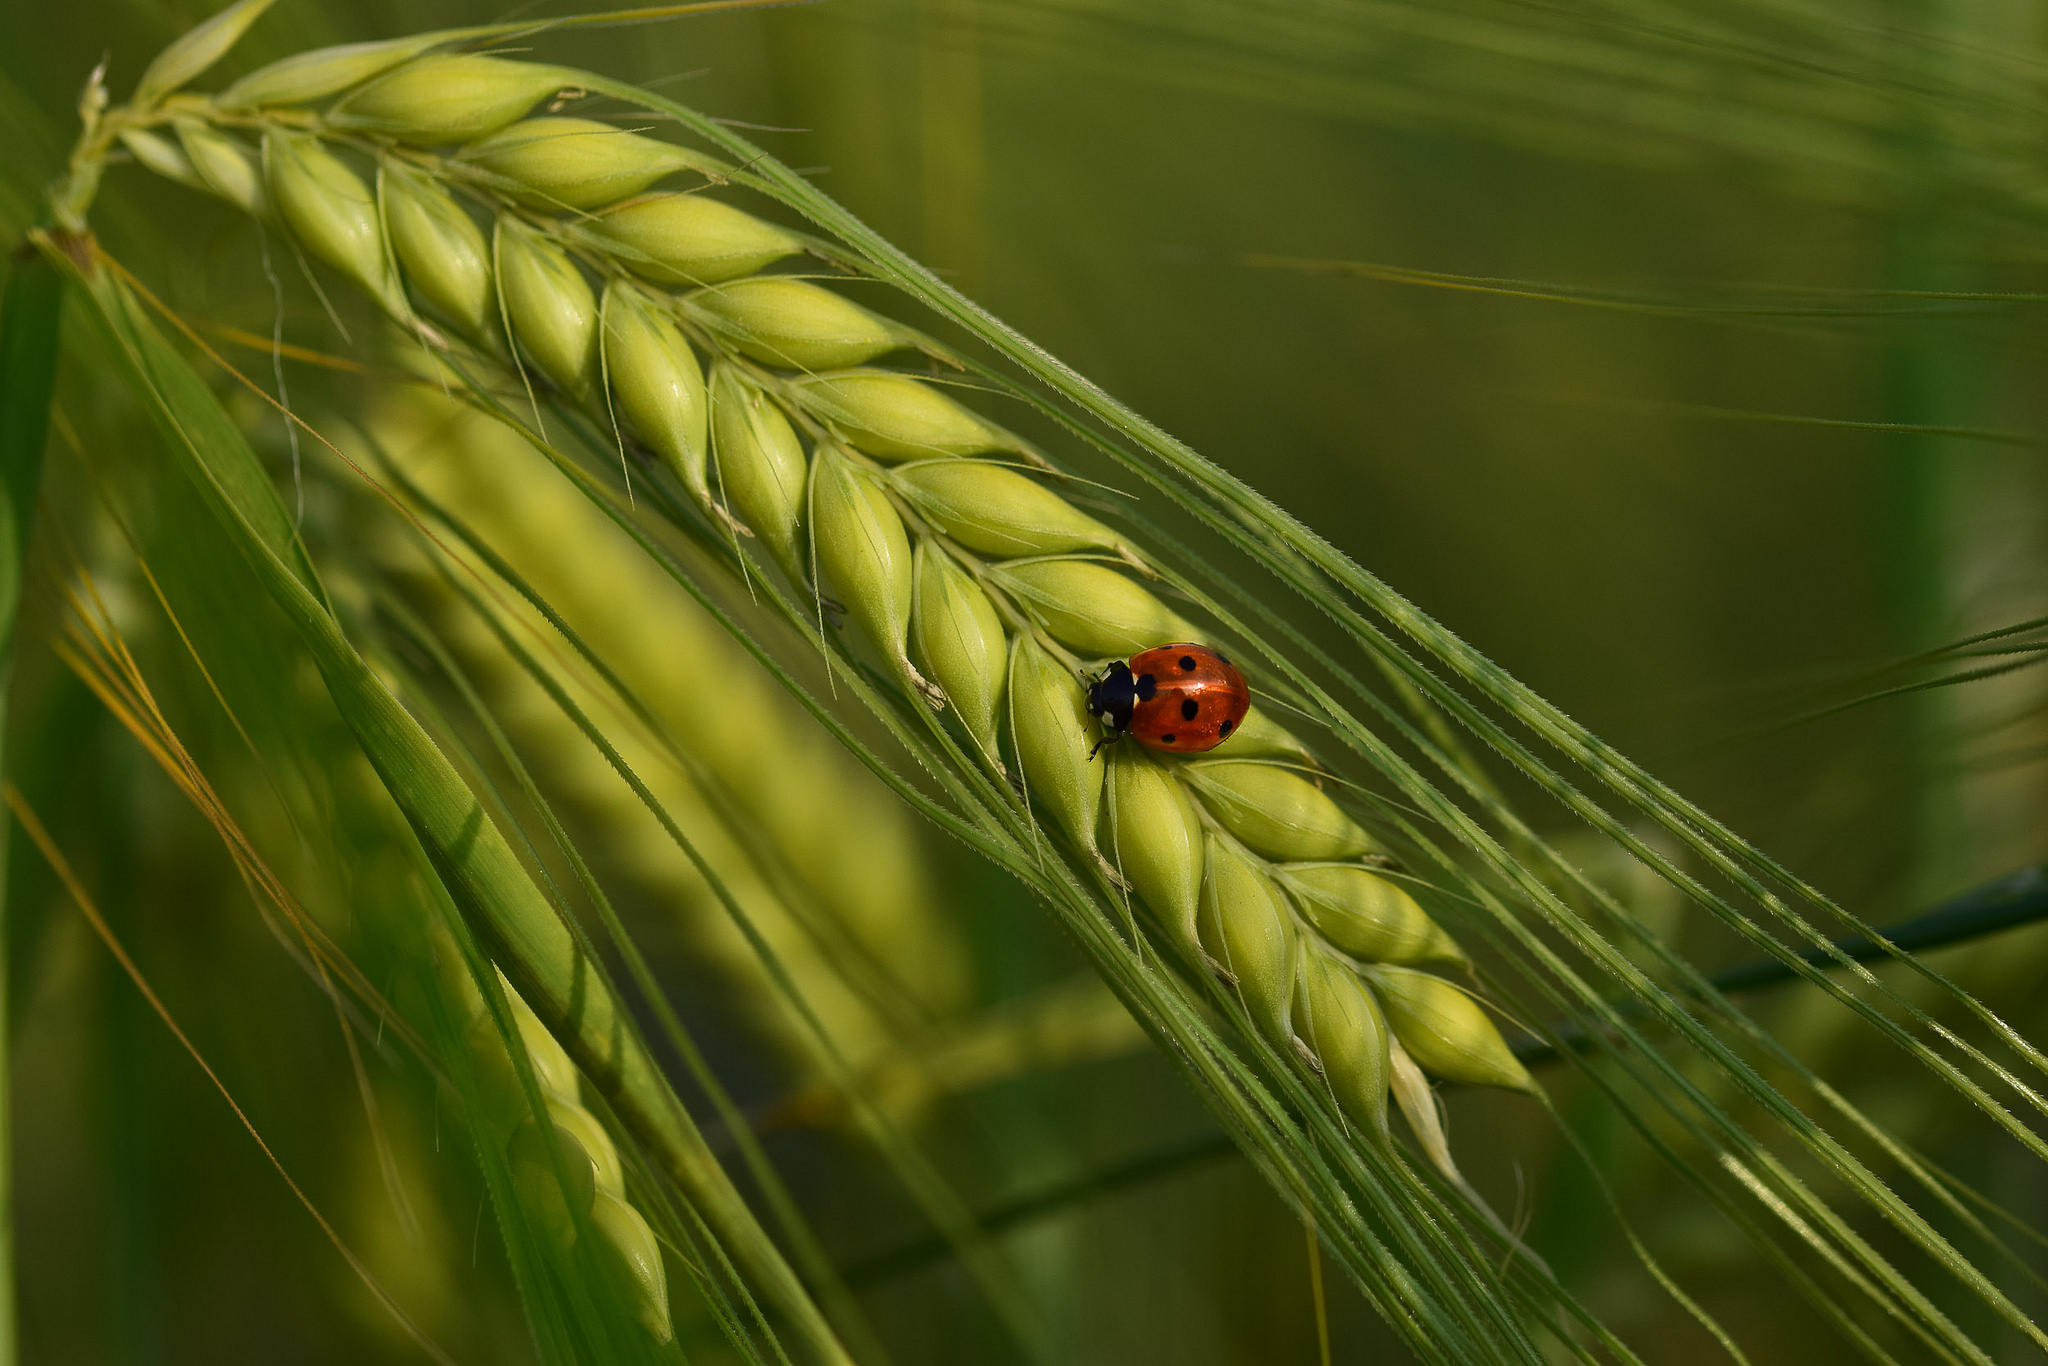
(1736,398)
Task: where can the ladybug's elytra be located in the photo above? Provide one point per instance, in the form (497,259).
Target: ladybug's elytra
(1181,697)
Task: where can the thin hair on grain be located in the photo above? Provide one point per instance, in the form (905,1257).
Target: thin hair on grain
(284,400)
(33,827)
(505,321)
(604,383)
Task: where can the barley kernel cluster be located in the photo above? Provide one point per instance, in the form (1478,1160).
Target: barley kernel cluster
(596,263)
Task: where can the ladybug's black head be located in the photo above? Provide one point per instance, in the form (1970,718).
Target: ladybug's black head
(1112,697)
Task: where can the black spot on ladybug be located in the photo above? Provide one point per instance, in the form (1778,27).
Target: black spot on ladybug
(1188,708)
(1147,685)
(1223,729)
(1187,662)
(1166,739)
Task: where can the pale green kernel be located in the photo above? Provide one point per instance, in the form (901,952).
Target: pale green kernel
(1275,812)
(761,467)
(578,163)
(1447,1032)
(1336,1016)
(1093,608)
(591,1143)
(1366,916)
(961,643)
(440,249)
(631,1244)
(550,305)
(864,558)
(162,156)
(1260,736)
(196,50)
(330,211)
(998,511)
(448,97)
(794,323)
(689,239)
(1247,930)
(1055,739)
(307,76)
(658,384)
(1154,839)
(553,1178)
(224,165)
(895,417)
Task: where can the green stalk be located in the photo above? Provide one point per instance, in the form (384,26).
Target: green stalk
(28,371)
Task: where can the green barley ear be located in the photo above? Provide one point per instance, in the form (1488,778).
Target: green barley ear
(1368,916)
(895,417)
(1092,607)
(626,1240)
(225,165)
(550,306)
(1247,930)
(997,511)
(1275,812)
(195,51)
(864,559)
(441,252)
(1054,737)
(1337,1017)
(795,324)
(451,97)
(658,384)
(1155,840)
(761,466)
(305,77)
(960,641)
(689,239)
(1446,1031)
(330,211)
(578,163)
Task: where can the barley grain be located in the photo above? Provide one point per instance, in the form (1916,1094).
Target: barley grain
(576,163)
(894,417)
(689,239)
(1246,928)
(447,98)
(548,304)
(998,511)
(1445,1030)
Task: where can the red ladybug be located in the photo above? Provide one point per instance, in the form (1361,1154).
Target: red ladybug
(1184,698)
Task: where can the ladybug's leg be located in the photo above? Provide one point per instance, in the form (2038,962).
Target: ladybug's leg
(1108,739)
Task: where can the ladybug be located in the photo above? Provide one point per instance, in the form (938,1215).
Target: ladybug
(1181,697)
